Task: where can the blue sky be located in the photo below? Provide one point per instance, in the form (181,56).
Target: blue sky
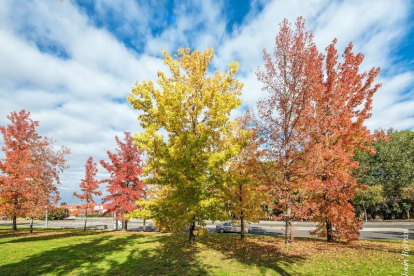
(72,63)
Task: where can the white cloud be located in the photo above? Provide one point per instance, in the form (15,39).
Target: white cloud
(198,24)
(72,98)
(393,104)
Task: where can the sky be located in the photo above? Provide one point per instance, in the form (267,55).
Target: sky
(73,63)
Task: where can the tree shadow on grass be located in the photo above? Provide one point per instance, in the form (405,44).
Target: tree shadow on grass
(108,254)
(42,235)
(254,251)
(62,260)
(112,254)
(171,256)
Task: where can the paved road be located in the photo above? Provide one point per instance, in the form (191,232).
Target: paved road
(372,230)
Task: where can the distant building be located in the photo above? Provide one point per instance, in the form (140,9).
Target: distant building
(76,210)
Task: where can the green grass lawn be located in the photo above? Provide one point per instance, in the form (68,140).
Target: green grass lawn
(74,252)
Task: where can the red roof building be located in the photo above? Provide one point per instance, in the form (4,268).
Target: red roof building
(75,210)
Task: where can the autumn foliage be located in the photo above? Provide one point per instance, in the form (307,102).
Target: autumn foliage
(311,124)
(30,170)
(296,157)
(193,109)
(124,184)
(343,100)
(245,192)
(89,186)
(283,124)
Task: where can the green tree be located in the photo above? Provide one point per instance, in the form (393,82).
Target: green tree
(392,166)
(186,122)
(408,199)
(369,198)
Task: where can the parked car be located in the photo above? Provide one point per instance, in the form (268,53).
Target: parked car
(230,227)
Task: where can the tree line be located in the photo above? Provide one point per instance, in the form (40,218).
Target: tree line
(30,175)
(305,154)
(389,177)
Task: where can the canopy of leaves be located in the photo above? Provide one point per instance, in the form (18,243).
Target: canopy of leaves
(125,169)
(311,124)
(245,193)
(89,185)
(370,196)
(186,121)
(31,168)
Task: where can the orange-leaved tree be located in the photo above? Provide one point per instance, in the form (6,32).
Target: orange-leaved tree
(89,186)
(47,166)
(342,100)
(30,169)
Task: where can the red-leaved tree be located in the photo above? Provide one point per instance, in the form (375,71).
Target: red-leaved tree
(283,118)
(124,184)
(89,186)
(311,124)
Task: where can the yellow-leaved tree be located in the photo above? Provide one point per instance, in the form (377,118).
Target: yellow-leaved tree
(153,207)
(186,125)
(245,192)
(143,211)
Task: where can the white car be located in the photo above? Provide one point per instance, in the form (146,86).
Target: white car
(230,227)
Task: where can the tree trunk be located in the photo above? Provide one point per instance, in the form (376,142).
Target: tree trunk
(125,225)
(143,225)
(191,237)
(288,225)
(329,231)
(242,230)
(115,221)
(86,218)
(365,213)
(31,225)
(14,223)
(14,215)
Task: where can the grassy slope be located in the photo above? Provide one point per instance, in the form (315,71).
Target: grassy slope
(63,252)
